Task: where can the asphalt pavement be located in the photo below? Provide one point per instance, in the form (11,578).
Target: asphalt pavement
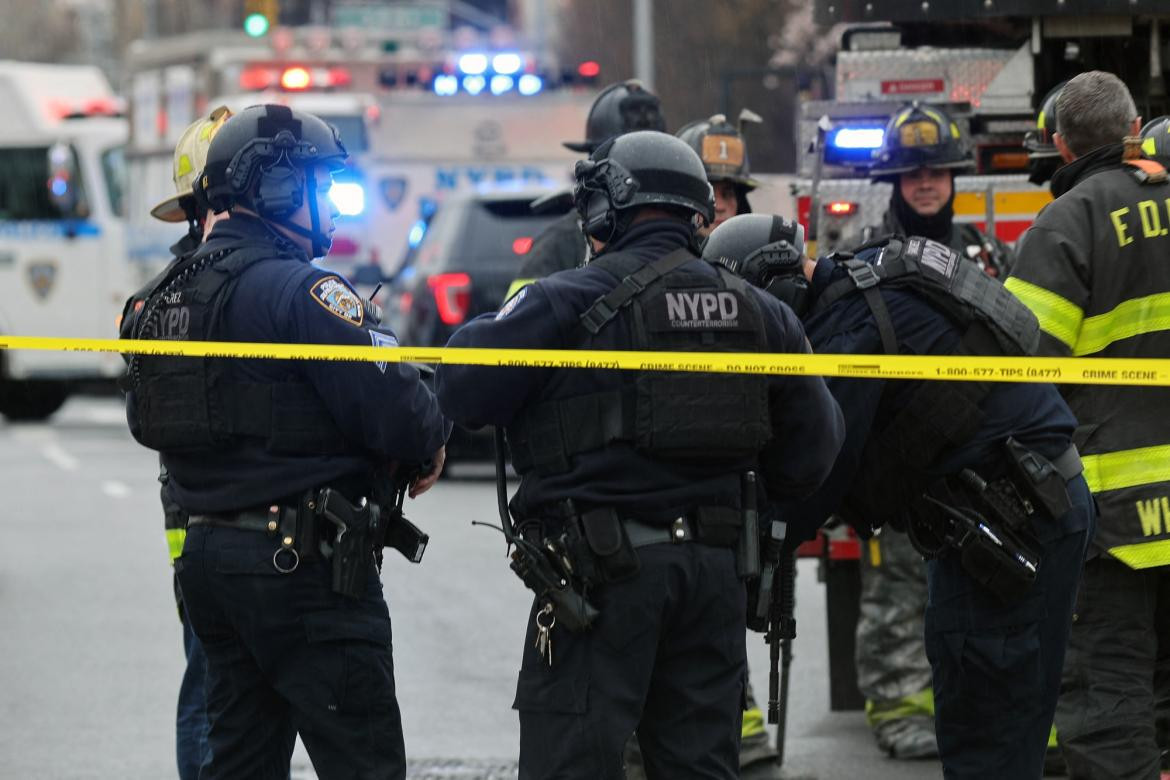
(91,647)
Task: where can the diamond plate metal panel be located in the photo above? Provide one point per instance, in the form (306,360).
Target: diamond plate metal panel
(939,75)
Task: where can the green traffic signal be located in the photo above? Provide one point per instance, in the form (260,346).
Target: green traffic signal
(256,25)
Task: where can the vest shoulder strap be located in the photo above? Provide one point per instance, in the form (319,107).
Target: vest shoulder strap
(635,277)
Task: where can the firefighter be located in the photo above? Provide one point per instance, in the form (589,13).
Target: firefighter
(983,476)
(619,108)
(191,723)
(272,462)
(1093,268)
(1043,156)
(644,503)
(1156,139)
(922,151)
(721,147)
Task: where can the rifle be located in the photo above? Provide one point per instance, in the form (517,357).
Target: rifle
(776,606)
(543,570)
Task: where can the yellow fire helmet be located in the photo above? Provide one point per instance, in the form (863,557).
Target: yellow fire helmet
(190,156)
(920,136)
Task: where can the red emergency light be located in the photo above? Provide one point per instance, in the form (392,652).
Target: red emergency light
(296,78)
(840,208)
(589,69)
(521,245)
(256,78)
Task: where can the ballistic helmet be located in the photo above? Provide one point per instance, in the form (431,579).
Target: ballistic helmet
(643,168)
(1156,139)
(920,136)
(620,108)
(190,157)
(264,159)
(767,251)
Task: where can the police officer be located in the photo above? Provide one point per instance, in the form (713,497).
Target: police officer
(922,151)
(1043,156)
(636,474)
(721,147)
(619,108)
(982,474)
(274,460)
(191,723)
(1093,268)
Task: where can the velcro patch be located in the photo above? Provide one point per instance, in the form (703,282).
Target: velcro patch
(702,310)
(338,299)
(512,303)
(382,340)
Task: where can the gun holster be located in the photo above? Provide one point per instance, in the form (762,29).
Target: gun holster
(546,571)
(353,547)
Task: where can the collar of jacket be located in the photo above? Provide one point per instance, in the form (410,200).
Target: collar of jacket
(653,239)
(185,245)
(246,226)
(1102,158)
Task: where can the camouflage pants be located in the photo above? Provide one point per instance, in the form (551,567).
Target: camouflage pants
(892,670)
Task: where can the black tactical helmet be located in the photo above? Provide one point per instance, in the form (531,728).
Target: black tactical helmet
(920,137)
(767,251)
(1038,142)
(721,148)
(1156,139)
(642,168)
(263,158)
(620,108)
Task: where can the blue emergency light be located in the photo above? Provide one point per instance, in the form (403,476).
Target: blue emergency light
(446,85)
(507,63)
(473,64)
(349,197)
(473,85)
(501,84)
(530,84)
(417,231)
(853,144)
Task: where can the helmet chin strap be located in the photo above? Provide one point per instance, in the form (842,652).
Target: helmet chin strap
(320,240)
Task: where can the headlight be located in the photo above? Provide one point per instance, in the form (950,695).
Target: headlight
(349,197)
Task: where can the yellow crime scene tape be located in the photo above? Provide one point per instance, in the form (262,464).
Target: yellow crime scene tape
(1089,371)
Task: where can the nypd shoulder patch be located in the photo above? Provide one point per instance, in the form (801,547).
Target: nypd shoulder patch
(338,299)
(382,340)
(512,303)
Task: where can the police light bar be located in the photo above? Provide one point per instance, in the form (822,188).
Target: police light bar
(296,78)
(501,84)
(507,63)
(857,137)
(530,84)
(446,85)
(473,64)
(349,197)
(473,85)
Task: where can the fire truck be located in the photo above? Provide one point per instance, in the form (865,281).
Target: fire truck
(422,122)
(989,64)
(62,237)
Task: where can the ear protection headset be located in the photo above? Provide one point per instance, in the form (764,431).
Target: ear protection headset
(603,188)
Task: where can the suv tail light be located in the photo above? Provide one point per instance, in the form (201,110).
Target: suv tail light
(452,296)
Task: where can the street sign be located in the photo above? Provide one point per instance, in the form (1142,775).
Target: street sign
(402,16)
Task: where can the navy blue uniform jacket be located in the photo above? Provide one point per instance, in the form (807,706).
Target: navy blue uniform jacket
(1034,414)
(806,421)
(384,411)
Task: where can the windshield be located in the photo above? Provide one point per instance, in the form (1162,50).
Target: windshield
(114,171)
(31,188)
(353,131)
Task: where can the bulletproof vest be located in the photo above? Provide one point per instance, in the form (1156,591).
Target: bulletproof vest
(674,416)
(192,404)
(938,416)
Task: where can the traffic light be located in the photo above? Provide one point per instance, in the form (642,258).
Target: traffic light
(259,16)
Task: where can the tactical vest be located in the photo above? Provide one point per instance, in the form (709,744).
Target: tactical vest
(674,416)
(192,404)
(938,416)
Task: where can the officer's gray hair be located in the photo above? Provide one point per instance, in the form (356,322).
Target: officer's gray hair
(1094,109)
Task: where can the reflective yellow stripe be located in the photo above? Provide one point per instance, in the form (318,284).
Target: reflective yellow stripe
(1130,318)
(1059,317)
(753,723)
(1143,555)
(974,204)
(1127,468)
(516,286)
(1053,742)
(175,539)
(921,703)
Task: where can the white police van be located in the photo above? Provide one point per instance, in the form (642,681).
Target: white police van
(63,264)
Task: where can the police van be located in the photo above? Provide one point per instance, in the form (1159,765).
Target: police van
(422,120)
(63,264)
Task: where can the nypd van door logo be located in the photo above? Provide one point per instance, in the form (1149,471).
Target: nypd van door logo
(41,276)
(702,309)
(382,340)
(338,299)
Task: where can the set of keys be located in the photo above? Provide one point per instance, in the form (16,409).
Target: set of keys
(543,642)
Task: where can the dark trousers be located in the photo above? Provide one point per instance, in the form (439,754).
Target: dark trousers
(666,658)
(996,667)
(1117,672)
(191,723)
(286,655)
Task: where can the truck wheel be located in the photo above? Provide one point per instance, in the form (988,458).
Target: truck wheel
(31,401)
